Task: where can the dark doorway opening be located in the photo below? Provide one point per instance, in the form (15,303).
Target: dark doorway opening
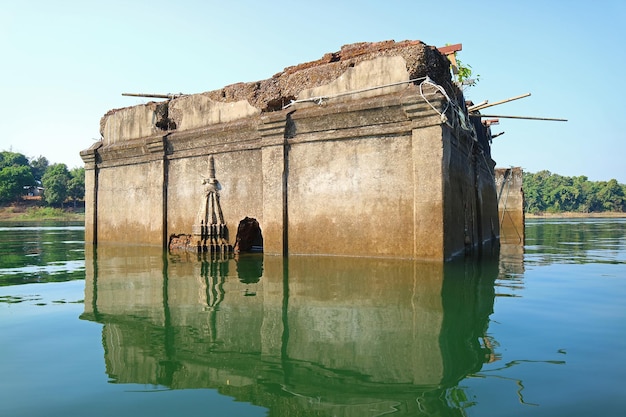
(249,237)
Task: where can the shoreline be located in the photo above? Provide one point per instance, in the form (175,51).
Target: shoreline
(35,213)
(572,215)
(26,212)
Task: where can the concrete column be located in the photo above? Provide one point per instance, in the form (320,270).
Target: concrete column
(157,147)
(89,157)
(428,183)
(131,193)
(275,174)
(510,204)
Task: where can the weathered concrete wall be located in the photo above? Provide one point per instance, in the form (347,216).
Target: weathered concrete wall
(363,163)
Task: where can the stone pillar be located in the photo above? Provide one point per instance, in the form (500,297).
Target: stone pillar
(428,182)
(132,192)
(157,148)
(90,157)
(510,204)
(274,151)
(428,223)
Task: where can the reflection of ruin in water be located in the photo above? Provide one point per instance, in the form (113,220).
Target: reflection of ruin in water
(340,336)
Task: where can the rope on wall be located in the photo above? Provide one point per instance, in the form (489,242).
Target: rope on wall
(320,99)
(424,81)
(449,102)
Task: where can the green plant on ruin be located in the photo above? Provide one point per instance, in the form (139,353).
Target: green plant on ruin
(464,74)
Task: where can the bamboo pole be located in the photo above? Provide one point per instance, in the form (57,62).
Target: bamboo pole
(478,105)
(485,105)
(519,117)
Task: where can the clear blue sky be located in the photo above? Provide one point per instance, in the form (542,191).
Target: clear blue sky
(64,64)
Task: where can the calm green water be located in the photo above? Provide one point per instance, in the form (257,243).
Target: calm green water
(540,330)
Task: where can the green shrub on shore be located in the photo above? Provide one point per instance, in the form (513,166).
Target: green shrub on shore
(39,213)
(43,213)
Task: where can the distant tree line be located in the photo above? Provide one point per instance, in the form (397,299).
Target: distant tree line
(545,192)
(20,175)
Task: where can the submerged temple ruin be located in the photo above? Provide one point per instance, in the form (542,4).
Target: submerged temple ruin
(368,151)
